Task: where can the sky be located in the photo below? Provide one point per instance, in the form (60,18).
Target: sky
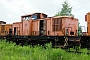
(12,10)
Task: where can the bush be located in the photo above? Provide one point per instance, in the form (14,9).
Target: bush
(11,51)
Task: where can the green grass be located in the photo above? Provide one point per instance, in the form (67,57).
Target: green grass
(11,51)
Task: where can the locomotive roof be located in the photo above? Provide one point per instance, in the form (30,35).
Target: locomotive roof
(88,13)
(16,22)
(33,14)
(5,24)
(64,17)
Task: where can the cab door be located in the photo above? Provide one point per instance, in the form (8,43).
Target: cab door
(42,27)
(10,31)
(15,30)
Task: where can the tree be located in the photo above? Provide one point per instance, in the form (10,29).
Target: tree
(79,30)
(66,10)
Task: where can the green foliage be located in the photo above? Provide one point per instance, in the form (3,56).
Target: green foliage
(79,30)
(11,51)
(66,10)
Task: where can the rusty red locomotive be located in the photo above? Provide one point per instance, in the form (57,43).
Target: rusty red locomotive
(38,28)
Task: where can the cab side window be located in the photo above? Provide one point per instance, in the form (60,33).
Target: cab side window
(34,17)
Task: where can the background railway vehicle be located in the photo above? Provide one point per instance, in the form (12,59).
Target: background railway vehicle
(38,28)
(5,29)
(85,40)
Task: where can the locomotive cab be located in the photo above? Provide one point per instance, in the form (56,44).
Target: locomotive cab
(30,21)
